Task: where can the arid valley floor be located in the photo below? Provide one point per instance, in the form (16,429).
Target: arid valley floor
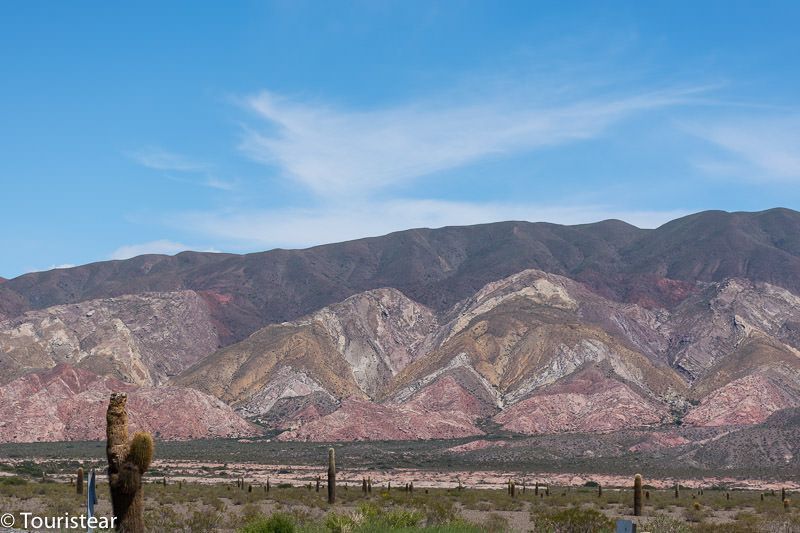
(194,486)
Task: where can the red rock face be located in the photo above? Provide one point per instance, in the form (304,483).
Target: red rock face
(443,410)
(652,441)
(480,444)
(447,395)
(590,403)
(70,404)
(749,400)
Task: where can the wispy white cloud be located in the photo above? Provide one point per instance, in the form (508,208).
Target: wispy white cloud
(192,172)
(209,181)
(349,160)
(220,184)
(160,159)
(763,149)
(64,265)
(306,227)
(162,246)
(342,152)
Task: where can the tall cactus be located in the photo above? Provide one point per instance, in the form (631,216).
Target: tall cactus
(127,463)
(79,481)
(637,495)
(331,475)
(677,491)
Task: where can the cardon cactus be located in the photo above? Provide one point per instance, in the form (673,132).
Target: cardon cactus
(637,495)
(79,481)
(127,463)
(331,475)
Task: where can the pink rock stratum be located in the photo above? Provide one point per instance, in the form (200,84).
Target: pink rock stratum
(70,404)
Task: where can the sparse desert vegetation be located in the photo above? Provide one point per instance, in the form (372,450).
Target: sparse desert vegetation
(242,504)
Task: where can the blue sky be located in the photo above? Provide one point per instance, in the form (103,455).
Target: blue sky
(243,126)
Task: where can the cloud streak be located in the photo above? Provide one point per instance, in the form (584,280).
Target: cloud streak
(172,164)
(160,159)
(342,152)
(162,246)
(764,149)
(295,227)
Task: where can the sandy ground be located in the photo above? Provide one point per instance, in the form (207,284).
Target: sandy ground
(481,479)
(213,472)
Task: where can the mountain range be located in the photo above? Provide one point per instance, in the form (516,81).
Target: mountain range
(504,328)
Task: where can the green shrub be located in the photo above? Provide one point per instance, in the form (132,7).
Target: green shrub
(204,522)
(440,512)
(339,523)
(665,524)
(275,523)
(574,520)
(455,526)
(496,522)
(162,518)
(402,518)
(369,511)
(694,515)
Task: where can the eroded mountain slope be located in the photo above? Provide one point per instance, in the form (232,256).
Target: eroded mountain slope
(66,403)
(142,339)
